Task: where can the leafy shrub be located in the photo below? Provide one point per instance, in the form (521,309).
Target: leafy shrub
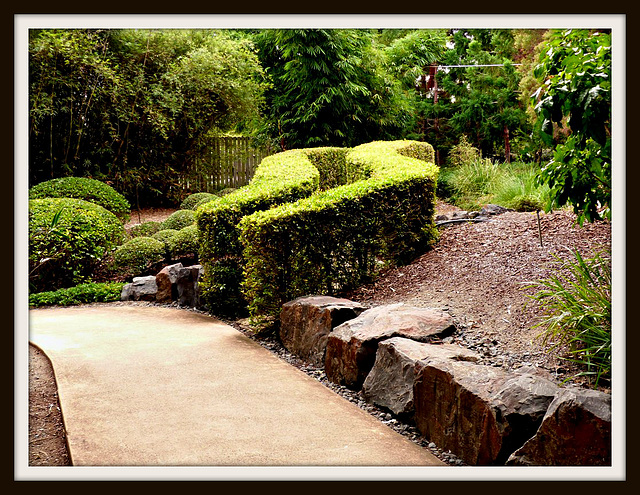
(80,294)
(145,229)
(335,240)
(67,240)
(192,201)
(179,220)
(136,255)
(577,305)
(185,242)
(463,153)
(90,190)
(166,236)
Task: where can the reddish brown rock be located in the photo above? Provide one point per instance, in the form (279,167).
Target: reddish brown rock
(575,431)
(480,413)
(390,382)
(305,324)
(166,283)
(352,346)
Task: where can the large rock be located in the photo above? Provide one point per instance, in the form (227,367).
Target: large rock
(390,382)
(166,281)
(140,289)
(305,324)
(575,431)
(480,413)
(188,289)
(352,346)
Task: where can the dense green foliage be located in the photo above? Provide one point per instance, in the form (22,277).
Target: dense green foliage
(576,74)
(132,106)
(383,198)
(134,257)
(67,239)
(79,294)
(90,190)
(329,87)
(192,201)
(185,242)
(577,313)
(337,239)
(179,219)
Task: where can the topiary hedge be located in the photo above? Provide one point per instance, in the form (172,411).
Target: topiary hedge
(135,256)
(67,240)
(318,220)
(192,201)
(179,219)
(90,190)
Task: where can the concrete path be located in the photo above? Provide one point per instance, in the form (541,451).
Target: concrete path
(153,386)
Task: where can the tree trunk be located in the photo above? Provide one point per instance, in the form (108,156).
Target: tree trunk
(507,145)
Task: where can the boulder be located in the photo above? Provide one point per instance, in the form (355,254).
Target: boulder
(166,281)
(305,324)
(480,413)
(188,286)
(575,431)
(351,347)
(140,289)
(390,382)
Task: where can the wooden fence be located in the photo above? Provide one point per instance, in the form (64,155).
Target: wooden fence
(227,162)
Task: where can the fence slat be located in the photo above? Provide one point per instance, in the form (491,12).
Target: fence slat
(226,162)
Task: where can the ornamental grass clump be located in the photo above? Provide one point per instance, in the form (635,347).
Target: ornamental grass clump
(577,305)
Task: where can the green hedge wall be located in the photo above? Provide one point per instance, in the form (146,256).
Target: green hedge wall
(359,209)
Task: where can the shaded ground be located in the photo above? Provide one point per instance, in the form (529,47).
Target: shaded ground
(476,272)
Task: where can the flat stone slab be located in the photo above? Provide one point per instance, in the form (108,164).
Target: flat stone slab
(351,347)
(156,386)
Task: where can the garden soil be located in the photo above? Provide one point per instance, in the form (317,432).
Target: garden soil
(478,272)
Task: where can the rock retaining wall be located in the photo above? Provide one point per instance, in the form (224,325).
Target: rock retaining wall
(484,415)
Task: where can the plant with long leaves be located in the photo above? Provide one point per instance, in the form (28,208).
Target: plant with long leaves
(577,305)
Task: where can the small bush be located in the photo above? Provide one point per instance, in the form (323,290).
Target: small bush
(67,240)
(577,305)
(192,201)
(166,236)
(185,242)
(179,220)
(136,255)
(90,190)
(80,294)
(463,153)
(145,229)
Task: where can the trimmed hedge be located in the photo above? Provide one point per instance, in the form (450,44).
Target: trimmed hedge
(67,240)
(90,190)
(192,201)
(339,239)
(80,294)
(318,220)
(179,219)
(135,256)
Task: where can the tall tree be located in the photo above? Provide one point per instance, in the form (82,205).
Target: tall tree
(328,88)
(131,106)
(575,74)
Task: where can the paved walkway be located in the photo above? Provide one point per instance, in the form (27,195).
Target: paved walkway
(153,386)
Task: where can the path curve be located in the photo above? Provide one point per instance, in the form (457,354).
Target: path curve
(155,386)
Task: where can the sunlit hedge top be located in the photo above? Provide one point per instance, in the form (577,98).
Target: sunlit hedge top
(91,190)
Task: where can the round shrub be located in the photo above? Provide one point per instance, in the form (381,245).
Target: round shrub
(166,236)
(90,190)
(185,242)
(135,255)
(192,201)
(67,240)
(179,220)
(145,229)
